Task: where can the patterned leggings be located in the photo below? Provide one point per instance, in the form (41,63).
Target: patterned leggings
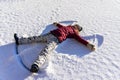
(48,38)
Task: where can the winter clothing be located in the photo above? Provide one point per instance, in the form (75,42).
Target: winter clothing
(34,68)
(64,32)
(52,39)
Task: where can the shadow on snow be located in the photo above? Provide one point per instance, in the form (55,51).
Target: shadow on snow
(18,72)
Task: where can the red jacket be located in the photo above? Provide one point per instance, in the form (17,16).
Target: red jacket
(64,32)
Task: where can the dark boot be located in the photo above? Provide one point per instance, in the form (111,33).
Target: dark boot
(34,68)
(16,39)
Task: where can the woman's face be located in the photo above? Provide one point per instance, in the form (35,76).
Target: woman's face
(76,29)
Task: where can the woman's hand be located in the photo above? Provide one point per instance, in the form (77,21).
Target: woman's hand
(55,23)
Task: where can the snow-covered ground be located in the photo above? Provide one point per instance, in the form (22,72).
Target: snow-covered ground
(70,60)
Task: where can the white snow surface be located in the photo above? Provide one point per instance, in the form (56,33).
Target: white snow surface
(70,60)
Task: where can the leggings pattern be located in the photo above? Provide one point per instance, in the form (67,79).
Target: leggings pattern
(48,38)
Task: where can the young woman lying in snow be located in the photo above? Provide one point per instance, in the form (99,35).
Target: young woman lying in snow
(53,38)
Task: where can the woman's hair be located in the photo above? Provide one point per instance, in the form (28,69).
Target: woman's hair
(78,27)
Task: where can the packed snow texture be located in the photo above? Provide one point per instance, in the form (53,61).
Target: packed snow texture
(70,60)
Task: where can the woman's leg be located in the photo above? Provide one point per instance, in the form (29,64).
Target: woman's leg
(33,39)
(44,54)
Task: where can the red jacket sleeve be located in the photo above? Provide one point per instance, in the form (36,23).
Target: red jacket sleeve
(80,39)
(59,25)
